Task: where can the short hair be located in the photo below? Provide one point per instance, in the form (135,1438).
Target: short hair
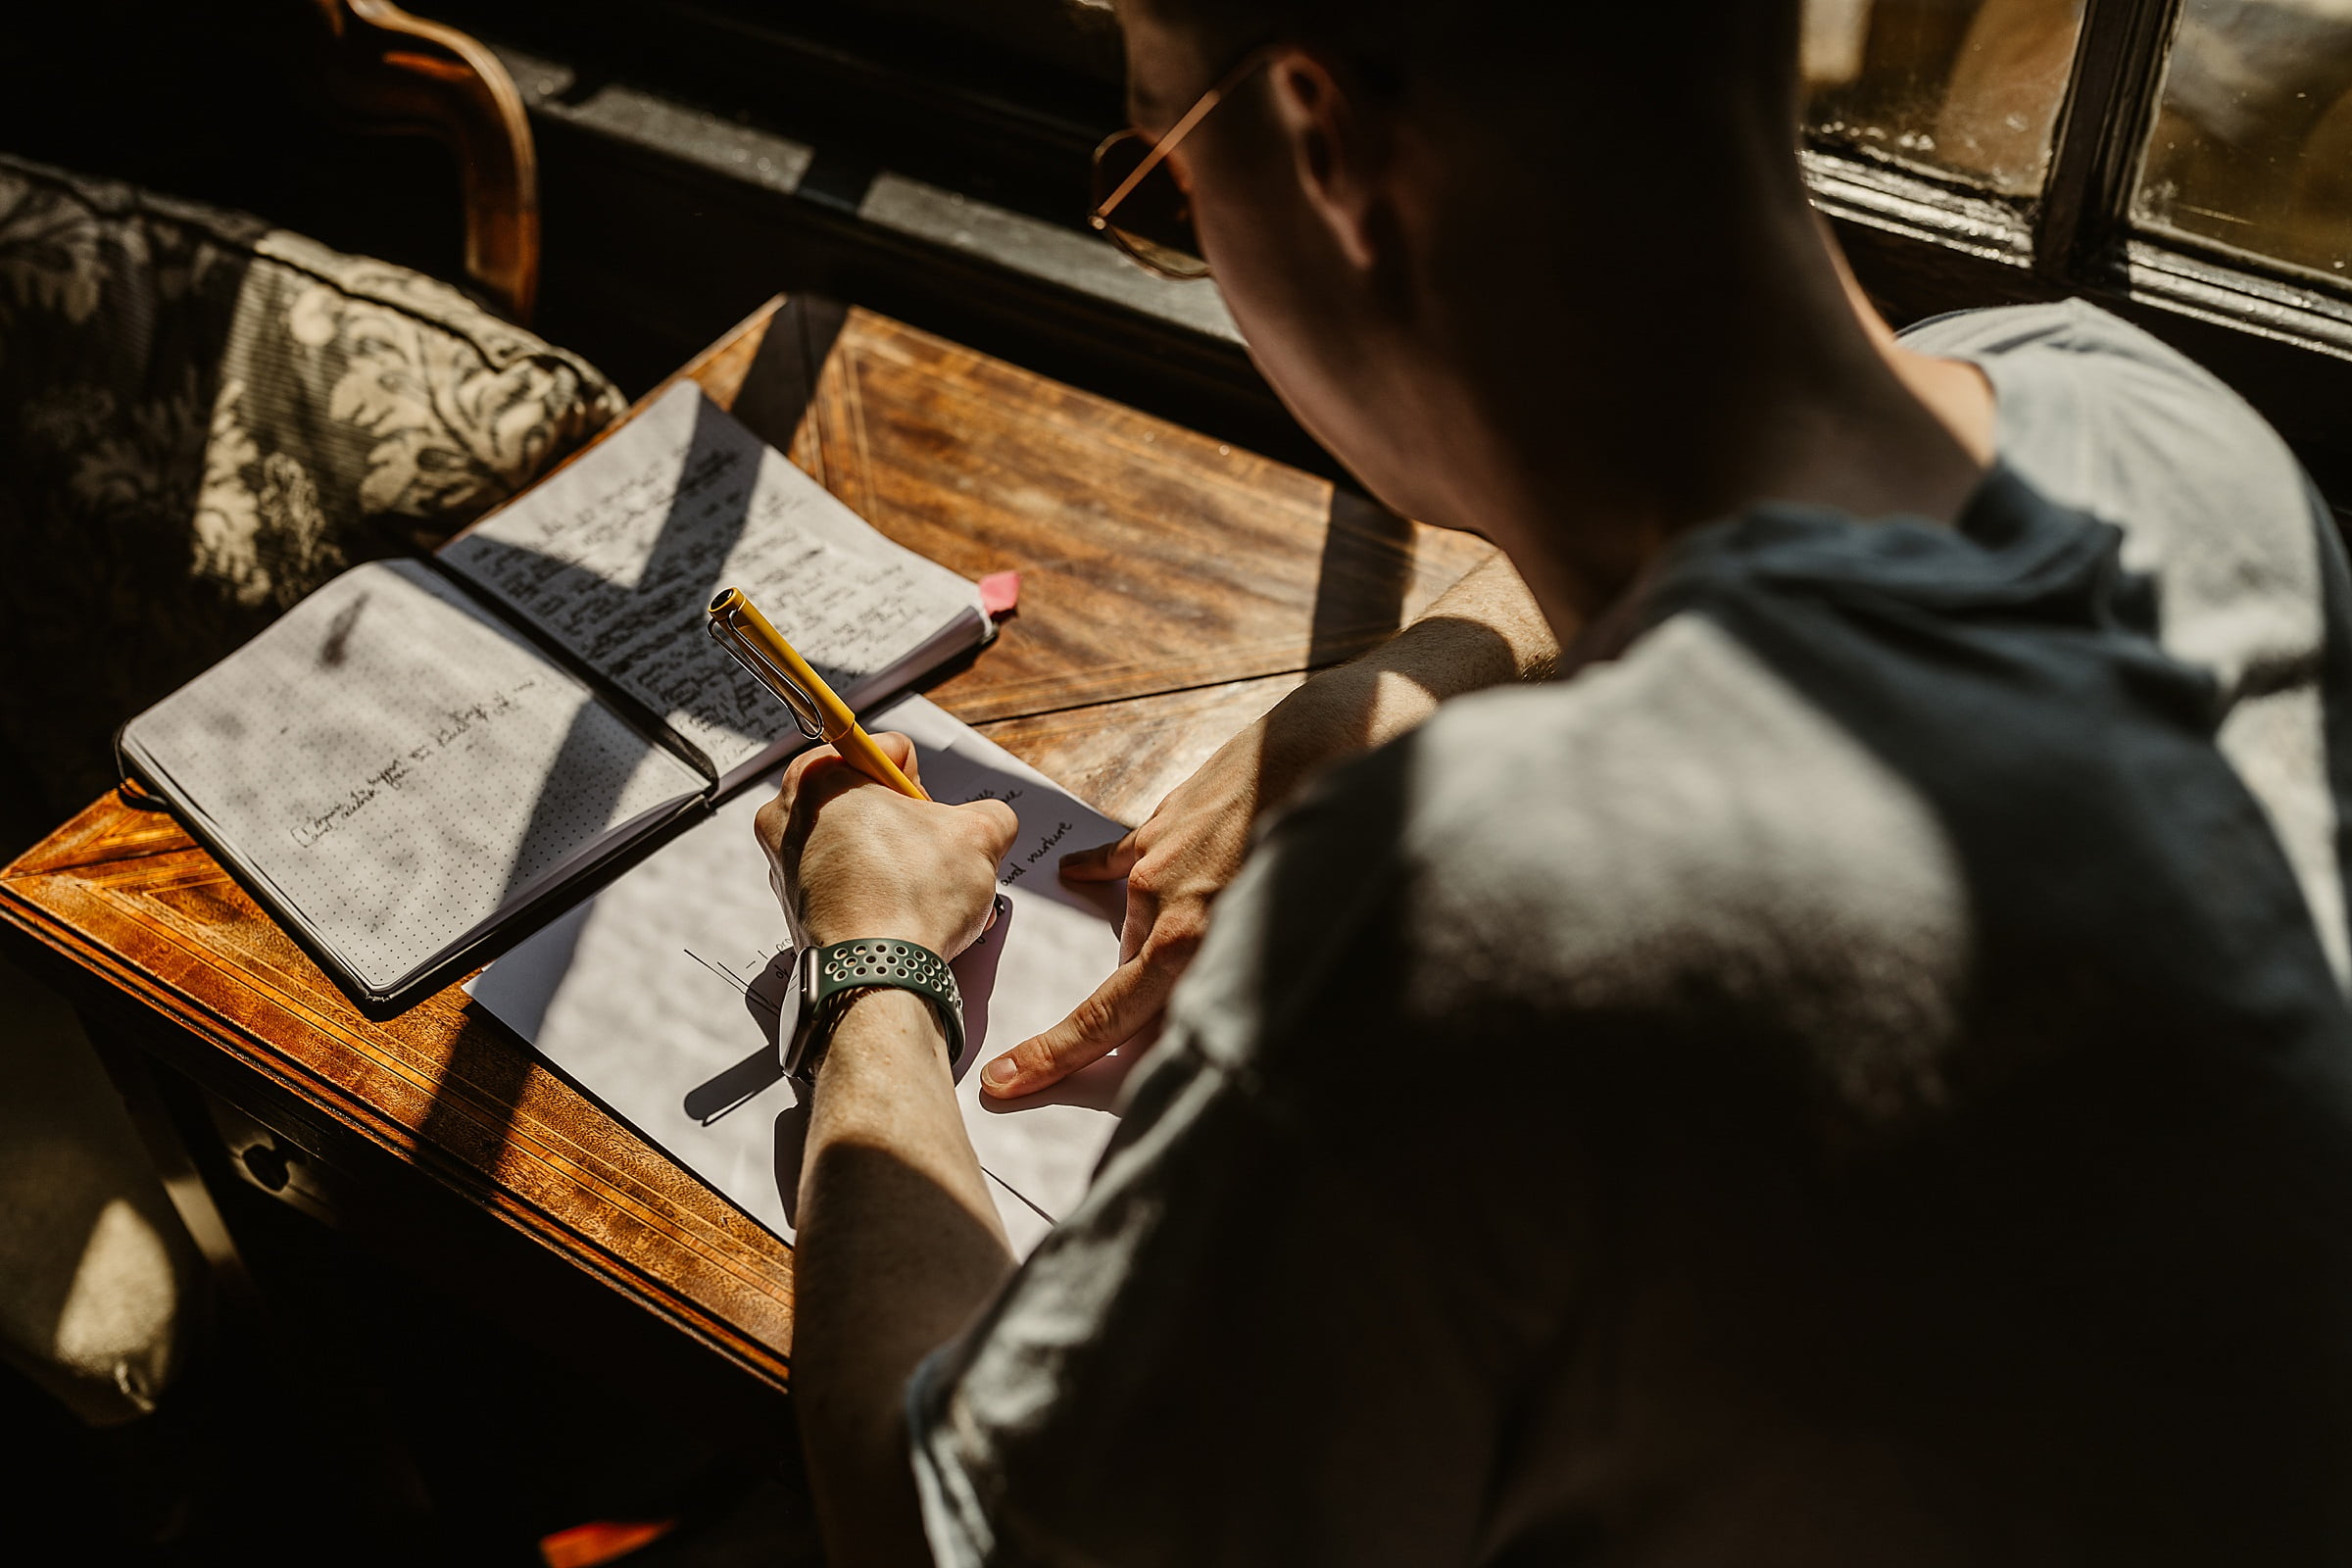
(1652,54)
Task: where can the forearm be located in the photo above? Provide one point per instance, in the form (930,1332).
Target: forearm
(1484,631)
(899,1246)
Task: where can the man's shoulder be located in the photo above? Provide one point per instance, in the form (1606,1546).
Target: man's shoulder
(1682,812)
(1677,836)
(2103,416)
(2087,400)
(2066,330)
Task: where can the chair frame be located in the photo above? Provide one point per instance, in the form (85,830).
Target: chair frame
(392,72)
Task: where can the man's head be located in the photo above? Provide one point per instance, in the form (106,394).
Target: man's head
(1434,214)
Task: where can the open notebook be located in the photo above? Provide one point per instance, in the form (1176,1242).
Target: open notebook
(418,757)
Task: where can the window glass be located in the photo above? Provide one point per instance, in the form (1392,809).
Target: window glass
(2252,144)
(1966,88)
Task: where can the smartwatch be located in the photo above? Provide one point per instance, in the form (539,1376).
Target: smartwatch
(826,975)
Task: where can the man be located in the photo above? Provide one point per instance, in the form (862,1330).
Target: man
(1855,1074)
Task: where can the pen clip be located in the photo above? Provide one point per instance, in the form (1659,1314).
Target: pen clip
(806,715)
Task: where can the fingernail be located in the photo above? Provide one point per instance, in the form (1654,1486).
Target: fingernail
(1000,1073)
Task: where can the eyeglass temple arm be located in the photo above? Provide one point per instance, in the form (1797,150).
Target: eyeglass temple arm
(1177,132)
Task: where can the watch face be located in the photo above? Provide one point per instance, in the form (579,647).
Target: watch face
(803,1021)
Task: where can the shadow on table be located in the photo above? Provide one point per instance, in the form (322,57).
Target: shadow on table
(760,1071)
(776,392)
(1361,581)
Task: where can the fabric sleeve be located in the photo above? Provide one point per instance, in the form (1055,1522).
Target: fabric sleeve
(1261,1338)
(1223,1356)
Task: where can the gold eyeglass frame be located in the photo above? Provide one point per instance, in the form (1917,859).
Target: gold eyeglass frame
(1100,219)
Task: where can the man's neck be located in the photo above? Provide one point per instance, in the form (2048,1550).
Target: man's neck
(1791,389)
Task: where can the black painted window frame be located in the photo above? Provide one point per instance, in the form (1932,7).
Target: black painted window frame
(1926,244)
(1922,244)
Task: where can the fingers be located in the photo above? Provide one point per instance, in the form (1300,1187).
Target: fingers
(796,778)
(1120,1008)
(820,773)
(900,748)
(820,759)
(998,821)
(1104,863)
(768,825)
(804,773)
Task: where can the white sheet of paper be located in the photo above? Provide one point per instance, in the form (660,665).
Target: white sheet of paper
(659,996)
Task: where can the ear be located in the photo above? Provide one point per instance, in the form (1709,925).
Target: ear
(1338,147)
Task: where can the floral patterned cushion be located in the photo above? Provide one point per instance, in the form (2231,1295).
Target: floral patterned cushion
(201,419)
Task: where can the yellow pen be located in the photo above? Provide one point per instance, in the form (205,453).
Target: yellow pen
(737,626)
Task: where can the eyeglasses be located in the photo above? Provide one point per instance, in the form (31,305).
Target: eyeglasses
(1132,177)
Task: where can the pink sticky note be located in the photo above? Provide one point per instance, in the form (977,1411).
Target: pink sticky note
(1000,594)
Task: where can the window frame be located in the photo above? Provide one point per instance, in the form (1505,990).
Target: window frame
(1926,243)
(1922,243)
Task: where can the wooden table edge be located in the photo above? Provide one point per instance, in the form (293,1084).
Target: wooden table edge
(90,969)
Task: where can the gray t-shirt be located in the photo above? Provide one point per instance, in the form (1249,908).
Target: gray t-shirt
(1861,1078)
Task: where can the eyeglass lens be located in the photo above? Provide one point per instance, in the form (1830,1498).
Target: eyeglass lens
(1153,221)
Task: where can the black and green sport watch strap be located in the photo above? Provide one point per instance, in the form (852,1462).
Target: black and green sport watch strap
(827,972)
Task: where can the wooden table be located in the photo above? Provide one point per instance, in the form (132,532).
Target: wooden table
(1172,590)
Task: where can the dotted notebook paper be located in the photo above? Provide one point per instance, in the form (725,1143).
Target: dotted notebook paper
(401,770)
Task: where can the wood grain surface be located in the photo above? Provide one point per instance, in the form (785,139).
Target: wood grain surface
(1172,591)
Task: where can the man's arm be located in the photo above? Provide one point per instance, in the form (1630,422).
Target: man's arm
(1484,631)
(898,1241)
(899,1246)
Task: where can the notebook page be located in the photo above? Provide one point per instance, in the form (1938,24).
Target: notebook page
(617,556)
(666,993)
(400,768)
